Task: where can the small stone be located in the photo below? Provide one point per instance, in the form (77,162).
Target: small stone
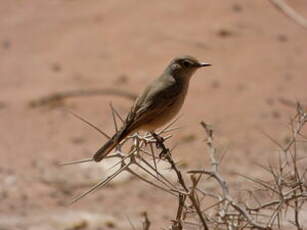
(110,224)
(270,101)
(77,140)
(56,67)
(122,79)
(237,7)
(201,45)
(282,38)
(215,84)
(82,224)
(276,114)
(241,87)
(6,44)
(224,33)
(2,105)
(188,138)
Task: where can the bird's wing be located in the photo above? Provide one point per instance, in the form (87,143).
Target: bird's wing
(155,99)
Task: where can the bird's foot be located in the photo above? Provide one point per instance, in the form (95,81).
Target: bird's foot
(160,145)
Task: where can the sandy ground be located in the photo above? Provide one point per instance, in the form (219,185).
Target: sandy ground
(258,56)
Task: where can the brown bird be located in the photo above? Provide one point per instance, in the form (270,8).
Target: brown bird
(158,104)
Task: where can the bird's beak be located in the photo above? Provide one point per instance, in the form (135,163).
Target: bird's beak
(204,64)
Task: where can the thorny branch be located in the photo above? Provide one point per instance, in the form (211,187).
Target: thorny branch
(286,191)
(190,193)
(288,187)
(214,172)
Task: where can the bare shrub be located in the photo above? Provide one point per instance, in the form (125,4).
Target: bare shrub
(272,204)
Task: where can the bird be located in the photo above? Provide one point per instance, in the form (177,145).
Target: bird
(159,103)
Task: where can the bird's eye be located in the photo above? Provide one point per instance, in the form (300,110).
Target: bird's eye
(186,64)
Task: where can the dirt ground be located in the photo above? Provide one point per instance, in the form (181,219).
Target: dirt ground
(259,60)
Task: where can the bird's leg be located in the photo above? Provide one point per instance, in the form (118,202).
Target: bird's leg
(160,144)
(159,140)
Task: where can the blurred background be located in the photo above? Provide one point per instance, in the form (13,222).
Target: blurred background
(259,68)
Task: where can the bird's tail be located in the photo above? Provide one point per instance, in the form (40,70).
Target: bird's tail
(111,144)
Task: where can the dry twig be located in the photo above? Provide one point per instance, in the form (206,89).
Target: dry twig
(146,222)
(58,97)
(287,188)
(290,12)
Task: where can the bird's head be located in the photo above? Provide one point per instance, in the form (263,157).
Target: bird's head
(183,67)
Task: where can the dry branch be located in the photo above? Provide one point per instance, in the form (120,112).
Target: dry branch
(287,188)
(146,222)
(58,97)
(290,12)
